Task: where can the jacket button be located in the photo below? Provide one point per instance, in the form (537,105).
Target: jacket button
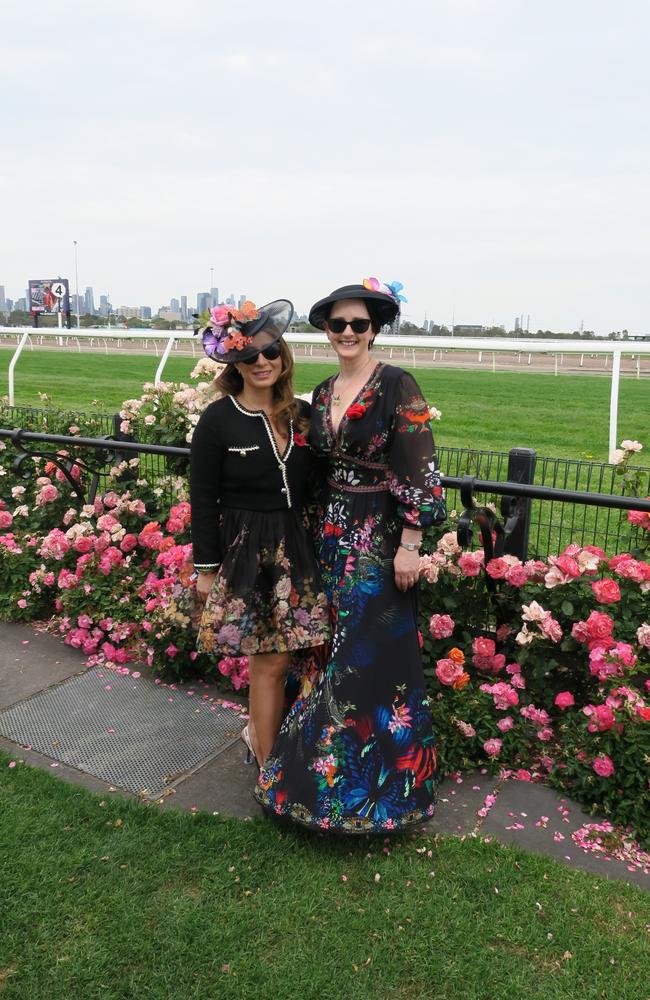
(283,490)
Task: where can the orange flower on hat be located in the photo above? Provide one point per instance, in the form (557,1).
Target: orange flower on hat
(461,681)
(456,655)
(237,341)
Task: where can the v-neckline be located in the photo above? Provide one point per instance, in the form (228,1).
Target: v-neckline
(336,431)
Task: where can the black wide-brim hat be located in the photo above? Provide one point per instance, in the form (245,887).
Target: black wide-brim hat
(272,322)
(388,307)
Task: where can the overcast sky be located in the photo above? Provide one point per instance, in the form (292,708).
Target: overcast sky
(493,155)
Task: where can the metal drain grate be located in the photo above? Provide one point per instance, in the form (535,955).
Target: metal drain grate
(136,735)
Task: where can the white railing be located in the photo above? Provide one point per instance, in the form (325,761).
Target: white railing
(615,349)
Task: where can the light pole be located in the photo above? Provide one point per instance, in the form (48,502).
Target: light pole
(76,281)
(212,286)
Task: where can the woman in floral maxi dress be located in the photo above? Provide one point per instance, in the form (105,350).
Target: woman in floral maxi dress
(357,753)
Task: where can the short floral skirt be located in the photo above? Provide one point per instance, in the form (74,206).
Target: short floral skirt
(267,596)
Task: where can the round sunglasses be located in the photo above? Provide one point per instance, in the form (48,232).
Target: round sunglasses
(356,325)
(271,353)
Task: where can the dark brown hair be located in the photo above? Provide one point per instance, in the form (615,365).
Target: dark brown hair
(285,405)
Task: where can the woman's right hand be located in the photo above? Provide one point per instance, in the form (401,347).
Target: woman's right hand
(204,585)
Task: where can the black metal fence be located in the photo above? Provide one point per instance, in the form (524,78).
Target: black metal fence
(34,418)
(548,502)
(554,523)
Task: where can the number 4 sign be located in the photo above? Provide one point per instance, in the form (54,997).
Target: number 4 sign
(58,289)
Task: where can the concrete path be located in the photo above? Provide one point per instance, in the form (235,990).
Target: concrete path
(528,815)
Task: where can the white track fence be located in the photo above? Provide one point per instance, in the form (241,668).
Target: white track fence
(410,348)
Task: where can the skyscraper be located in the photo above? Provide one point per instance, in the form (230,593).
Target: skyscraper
(242,299)
(203,300)
(89,301)
(2,298)
(184,308)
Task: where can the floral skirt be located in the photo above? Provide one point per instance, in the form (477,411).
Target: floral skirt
(267,596)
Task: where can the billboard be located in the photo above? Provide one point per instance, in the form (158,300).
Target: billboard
(49,296)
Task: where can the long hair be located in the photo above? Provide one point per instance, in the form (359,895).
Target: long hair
(285,406)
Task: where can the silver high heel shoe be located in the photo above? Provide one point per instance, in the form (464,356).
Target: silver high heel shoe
(250,753)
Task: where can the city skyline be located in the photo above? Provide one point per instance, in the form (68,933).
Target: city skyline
(181,308)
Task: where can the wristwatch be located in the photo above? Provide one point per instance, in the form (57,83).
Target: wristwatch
(410,546)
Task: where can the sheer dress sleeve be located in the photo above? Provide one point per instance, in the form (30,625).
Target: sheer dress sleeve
(414,477)
(206,457)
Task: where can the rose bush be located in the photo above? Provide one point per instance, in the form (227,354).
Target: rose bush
(547,672)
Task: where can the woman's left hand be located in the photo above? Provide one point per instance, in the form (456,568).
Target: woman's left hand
(407,568)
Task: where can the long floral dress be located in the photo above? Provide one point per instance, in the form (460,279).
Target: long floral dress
(356,752)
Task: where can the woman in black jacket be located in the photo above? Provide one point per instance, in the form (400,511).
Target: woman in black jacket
(250,463)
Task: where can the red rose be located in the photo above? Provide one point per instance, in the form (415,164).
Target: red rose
(299,439)
(355,411)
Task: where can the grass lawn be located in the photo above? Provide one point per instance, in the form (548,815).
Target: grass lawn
(567,416)
(111,899)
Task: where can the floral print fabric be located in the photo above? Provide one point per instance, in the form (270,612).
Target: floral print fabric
(267,596)
(356,752)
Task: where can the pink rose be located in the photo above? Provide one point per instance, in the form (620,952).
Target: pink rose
(6,520)
(641,518)
(84,544)
(598,626)
(504,695)
(497,568)
(483,646)
(564,700)
(128,543)
(633,569)
(493,747)
(567,564)
(606,591)
(441,626)
(469,563)
(220,315)
(517,576)
(505,724)
(602,718)
(550,628)
(603,766)
(643,635)
(447,671)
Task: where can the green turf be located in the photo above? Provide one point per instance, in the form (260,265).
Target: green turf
(106,898)
(567,416)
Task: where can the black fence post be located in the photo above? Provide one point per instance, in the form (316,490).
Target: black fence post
(516,510)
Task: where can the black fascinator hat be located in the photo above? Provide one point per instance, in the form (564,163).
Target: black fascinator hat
(386,298)
(232,335)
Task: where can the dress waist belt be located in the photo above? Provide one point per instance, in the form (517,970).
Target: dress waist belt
(348,488)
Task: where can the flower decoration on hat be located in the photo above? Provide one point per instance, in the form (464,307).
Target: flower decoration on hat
(223,330)
(394,288)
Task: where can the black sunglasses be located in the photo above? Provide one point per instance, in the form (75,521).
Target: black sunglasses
(271,353)
(356,325)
